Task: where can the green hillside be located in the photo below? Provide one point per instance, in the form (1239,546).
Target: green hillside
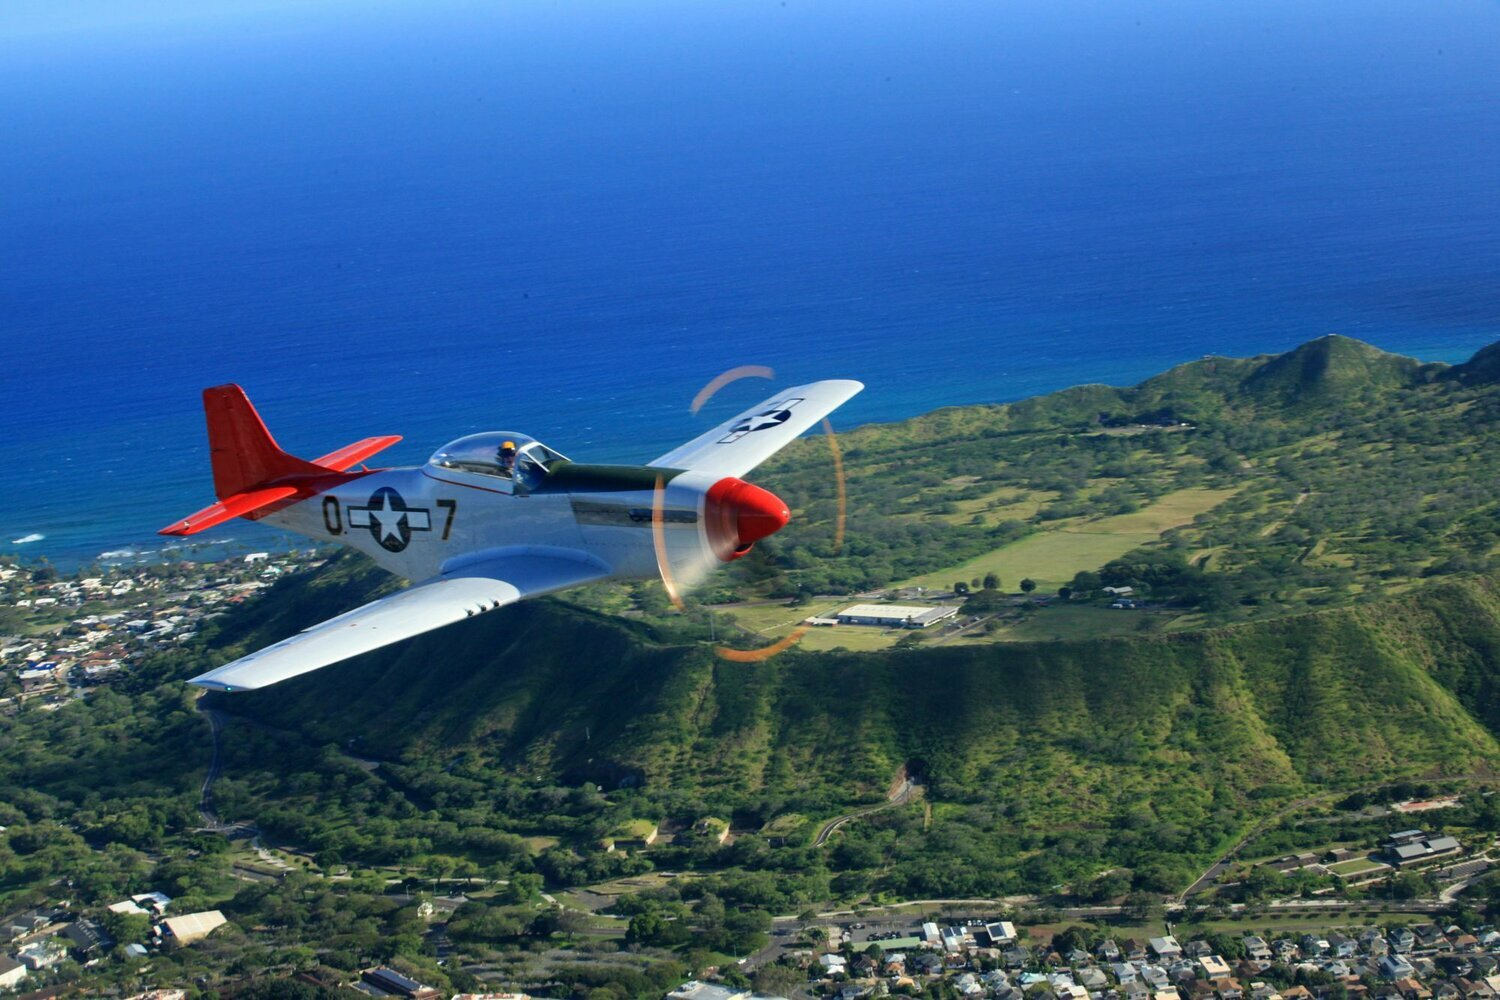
(1148,752)
(1240,494)
(1349,473)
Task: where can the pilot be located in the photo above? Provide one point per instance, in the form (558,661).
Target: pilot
(507,456)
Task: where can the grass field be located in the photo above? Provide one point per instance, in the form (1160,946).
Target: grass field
(1356,866)
(851,637)
(1065,622)
(1054,556)
(776,619)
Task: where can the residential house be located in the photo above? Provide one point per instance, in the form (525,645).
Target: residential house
(1228,989)
(1166,948)
(1342,945)
(1256,948)
(1394,966)
(1246,970)
(1429,937)
(11,973)
(87,939)
(929,964)
(1092,978)
(392,983)
(1001,933)
(1213,967)
(42,954)
(968,985)
(1411,989)
(1402,940)
(1453,966)
(1314,946)
(1182,969)
(190,927)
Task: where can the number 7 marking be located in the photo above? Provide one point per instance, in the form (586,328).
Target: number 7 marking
(452,508)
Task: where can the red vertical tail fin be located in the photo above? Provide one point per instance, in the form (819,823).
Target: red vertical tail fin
(243,453)
(251,473)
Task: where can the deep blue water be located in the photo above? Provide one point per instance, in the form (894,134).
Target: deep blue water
(564,218)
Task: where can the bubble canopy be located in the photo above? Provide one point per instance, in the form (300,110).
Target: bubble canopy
(481,454)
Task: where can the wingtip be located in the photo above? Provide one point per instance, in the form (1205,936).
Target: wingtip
(212,683)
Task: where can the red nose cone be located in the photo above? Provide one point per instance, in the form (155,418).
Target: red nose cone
(739,514)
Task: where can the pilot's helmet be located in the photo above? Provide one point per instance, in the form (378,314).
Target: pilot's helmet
(508,447)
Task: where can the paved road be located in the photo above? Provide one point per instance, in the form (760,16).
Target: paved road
(1450,893)
(900,796)
(211,821)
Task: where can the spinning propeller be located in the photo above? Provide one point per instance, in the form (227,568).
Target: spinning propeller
(736,515)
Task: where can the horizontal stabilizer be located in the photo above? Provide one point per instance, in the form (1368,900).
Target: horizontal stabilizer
(351,454)
(473,586)
(228,509)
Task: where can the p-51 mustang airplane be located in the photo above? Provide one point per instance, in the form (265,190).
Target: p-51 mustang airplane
(483,525)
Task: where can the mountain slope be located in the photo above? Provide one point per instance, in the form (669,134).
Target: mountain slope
(1196,734)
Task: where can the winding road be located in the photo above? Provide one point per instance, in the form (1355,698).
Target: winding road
(900,796)
(211,821)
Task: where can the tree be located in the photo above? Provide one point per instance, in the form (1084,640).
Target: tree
(1139,906)
(1028,585)
(1086,582)
(991,581)
(523,888)
(779,979)
(1066,593)
(960,587)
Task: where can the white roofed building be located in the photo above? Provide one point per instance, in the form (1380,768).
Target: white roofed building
(896,615)
(190,927)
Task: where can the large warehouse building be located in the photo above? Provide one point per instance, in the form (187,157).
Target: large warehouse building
(896,615)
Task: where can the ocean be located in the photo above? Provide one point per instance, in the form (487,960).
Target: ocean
(434,218)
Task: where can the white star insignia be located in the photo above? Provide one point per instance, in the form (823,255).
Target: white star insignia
(389,519)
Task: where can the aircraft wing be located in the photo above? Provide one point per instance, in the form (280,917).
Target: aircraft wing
(736,446)
(478,584)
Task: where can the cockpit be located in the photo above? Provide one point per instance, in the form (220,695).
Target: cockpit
(504,455)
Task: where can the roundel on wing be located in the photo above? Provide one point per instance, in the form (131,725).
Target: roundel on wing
(761,421)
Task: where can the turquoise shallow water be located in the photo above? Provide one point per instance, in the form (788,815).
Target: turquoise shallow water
(564,219)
